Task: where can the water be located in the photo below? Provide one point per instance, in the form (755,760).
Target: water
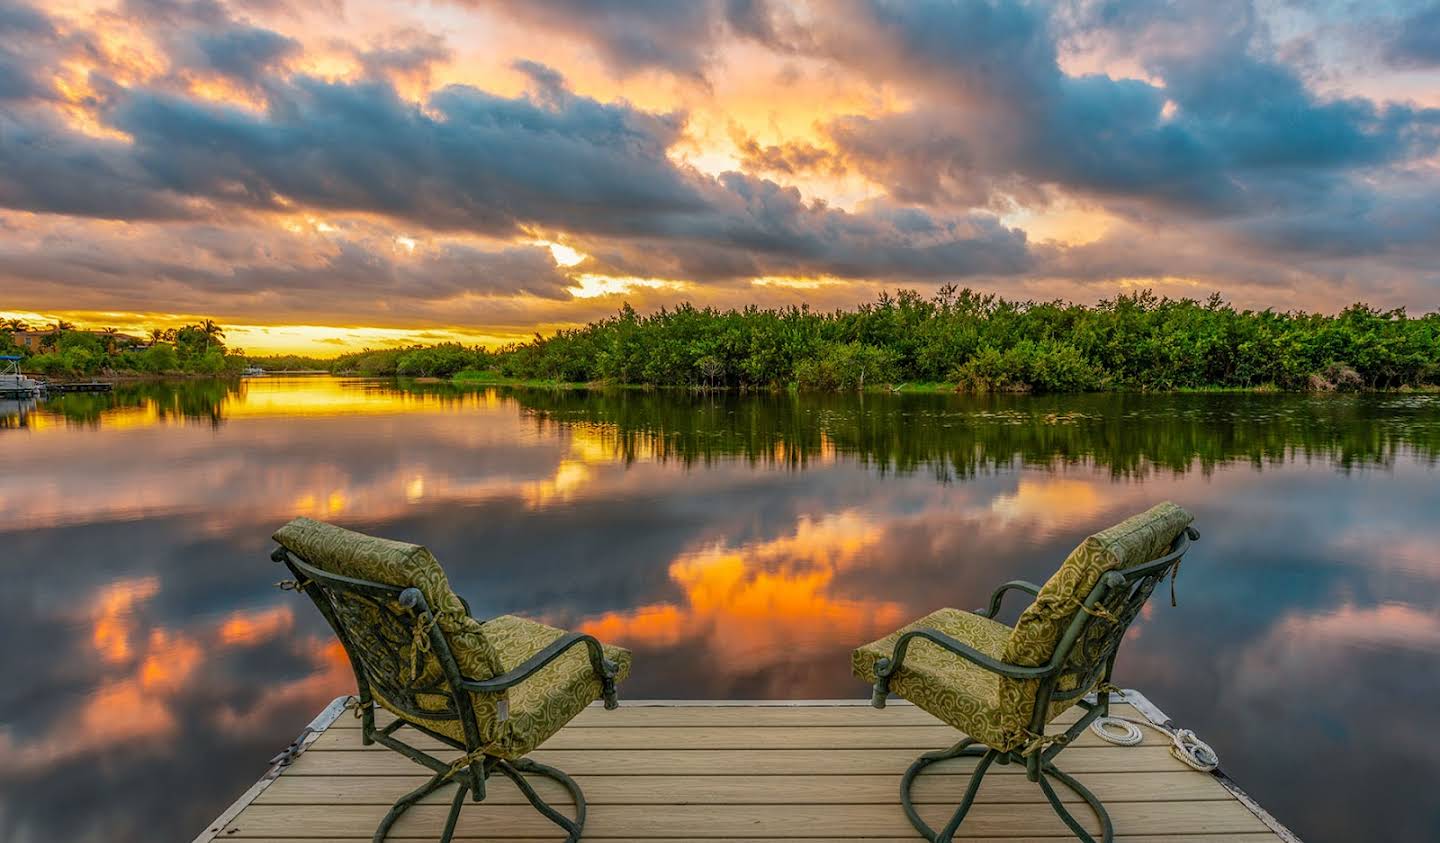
(740,545)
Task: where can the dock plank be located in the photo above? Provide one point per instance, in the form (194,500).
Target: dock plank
(874,789)
(743,774)
(723,821)
(876,734)
(784,762)
(648,715)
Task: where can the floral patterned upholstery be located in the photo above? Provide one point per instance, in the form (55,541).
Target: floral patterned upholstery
(957,691)
(537,707)
(546,701)
(994,709)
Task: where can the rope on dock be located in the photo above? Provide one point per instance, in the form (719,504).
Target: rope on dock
(1184,744)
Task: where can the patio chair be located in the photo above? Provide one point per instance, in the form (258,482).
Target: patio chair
(1001,686)
(493,690)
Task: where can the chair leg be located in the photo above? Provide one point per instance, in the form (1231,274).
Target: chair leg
(516,772)
(966,747)
(1107,831)
(516,769)
(453,817)
(969,747)
(403,804)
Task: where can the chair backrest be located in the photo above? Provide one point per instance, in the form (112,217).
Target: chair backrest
(1084,609)
(360,585)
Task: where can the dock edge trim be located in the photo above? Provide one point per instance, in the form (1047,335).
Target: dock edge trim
(285,758)
(1153,713)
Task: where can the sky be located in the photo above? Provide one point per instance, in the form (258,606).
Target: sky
(322,175)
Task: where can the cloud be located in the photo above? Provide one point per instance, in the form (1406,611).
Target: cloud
(1216,153)
(1414,41)
(629,35)
(200,37)
(354,267)
(1225,131)
(405,54)
(29,43)
(474,161)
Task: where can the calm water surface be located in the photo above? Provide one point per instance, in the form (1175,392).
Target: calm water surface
(740,545)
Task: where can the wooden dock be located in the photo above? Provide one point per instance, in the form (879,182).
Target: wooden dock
(667,772)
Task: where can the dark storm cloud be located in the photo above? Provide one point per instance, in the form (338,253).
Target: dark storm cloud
(475,161)
(408,53)
(29,45)
(205,261)
(470,160)
(1414,41)
(48,168)
(201,37)
(1227,132)
(630,35)
(244,53)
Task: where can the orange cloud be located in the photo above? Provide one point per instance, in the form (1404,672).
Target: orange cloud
(250,628)
(763,599)
(114,625)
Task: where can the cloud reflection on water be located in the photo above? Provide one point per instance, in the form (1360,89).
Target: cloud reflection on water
(742,546)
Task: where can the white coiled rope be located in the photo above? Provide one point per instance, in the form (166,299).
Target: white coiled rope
(1184,745)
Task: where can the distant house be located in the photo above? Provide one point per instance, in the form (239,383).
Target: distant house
(31,341)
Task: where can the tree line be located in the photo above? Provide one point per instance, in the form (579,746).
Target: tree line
(957,339)
(984,343)
(65,351)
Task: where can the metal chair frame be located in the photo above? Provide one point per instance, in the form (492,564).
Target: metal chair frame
(1086,651)
(335,594)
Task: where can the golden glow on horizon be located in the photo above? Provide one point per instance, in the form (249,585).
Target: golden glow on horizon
(564,255)
(595,286)
(1066,223)
(795,283)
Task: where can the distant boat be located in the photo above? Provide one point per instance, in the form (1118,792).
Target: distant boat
(252,372)
(14,384)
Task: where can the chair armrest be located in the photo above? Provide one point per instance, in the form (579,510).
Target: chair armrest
(1029,588)
(604,668)
(885,668)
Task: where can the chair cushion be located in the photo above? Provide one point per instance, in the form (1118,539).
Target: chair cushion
(953,689)
(542,704)
(353,554)
(538,706)
(1134,541)
(997,710)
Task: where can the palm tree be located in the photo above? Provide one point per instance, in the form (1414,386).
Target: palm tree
(62,325)
(212,331)
(157,335)
(16,325)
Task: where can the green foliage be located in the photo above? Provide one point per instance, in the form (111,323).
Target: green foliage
(159,359)
(440,361)
(846,367)
(71,353)
(1028,366)
(985,343)
(1125,433)
(290,362)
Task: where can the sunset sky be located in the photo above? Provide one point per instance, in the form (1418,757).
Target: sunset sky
(326,174)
